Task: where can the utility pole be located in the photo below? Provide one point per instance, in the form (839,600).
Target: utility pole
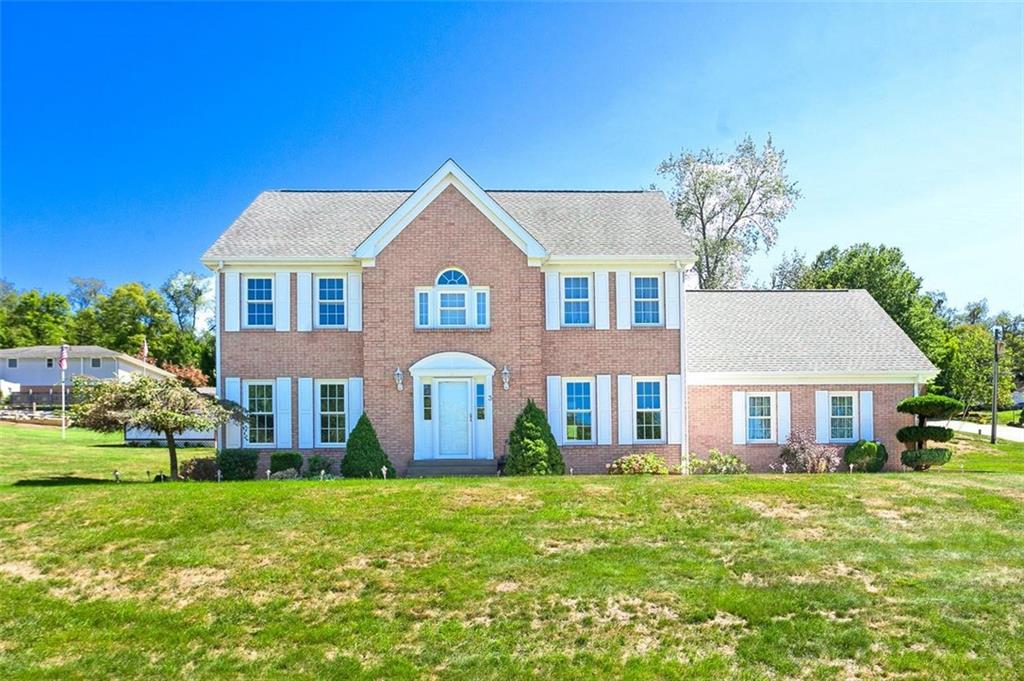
(997,334)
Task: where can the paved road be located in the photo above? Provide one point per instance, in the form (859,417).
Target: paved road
(1002,432)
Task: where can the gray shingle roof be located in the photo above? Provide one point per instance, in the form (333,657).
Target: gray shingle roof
(75,352)
(330,224)
(839,331)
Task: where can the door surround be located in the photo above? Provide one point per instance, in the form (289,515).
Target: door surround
(433,370)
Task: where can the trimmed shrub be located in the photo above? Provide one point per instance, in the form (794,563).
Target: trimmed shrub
(237,464)
(909,434)
(282,461)
(364,457)
(317,463)
(532,449)
(930,406)
(866,456)
(286,474)
(199,469)
(802,454)
(718,463)
(638,464)
(923,459)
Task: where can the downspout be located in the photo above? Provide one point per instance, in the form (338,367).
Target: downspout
(217,382)
(684,447)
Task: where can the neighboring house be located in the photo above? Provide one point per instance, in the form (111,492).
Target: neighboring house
(34,371)
(440,311)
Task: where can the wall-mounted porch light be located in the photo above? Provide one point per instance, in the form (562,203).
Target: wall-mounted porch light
(506,374)
(399,378)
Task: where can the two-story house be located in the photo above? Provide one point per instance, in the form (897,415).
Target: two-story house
(440,311)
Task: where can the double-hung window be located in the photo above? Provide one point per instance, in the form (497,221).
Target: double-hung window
(647,300)
(452,303)
(259,404)
(579,411)
(760,417)
(576,300)
(330,302)
(649,409)
(842,413)
(452,308)
(330,414)
(259,302)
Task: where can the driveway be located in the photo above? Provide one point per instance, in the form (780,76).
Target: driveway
(1002,432)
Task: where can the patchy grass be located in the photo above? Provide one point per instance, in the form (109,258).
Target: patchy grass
(976,454)
(1003,417)
(835,576)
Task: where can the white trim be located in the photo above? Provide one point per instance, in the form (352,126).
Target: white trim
(772,418)
(282,296)
(565,411)
(588,276)
(417,292)
(317,302)
(317,384)
(233,429)
(852,394)
(673,295)
(625,408)
(273,263)
(785,416)
(475,306)
(353,403)
(244,297)
(554,407)
(654,263)
(633,276)
(449,174)
(232,302)
(452,364)
(552,301)
(866,415)
(601,302)
(804,378)
(354,302)
(623,309)
(604,409)
(304,301)
(662,399)
(283,412)
(305,413)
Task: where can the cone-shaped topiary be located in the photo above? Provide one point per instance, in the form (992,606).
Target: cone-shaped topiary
(866,455)
(929,406)
(364,457)
(532,449)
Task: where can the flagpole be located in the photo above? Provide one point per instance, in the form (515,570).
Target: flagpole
(63,410)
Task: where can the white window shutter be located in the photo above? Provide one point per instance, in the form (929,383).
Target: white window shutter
(232,302)
(625,398)
(551,301)
(233,429)
(604,409)
(306,414)
(672,300)
(283,409)
(739,417)
(555,418)
(601,312)
(353,402)
(822,414)
(623,306)
(354,302)
(282,301)
(784,419)
(674,387)
(303,301)
(867,415)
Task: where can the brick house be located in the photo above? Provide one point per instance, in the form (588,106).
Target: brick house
(438,312)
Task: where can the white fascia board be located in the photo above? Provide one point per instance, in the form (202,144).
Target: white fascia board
(804,378)
(286,265)
(635,263)
(448,174)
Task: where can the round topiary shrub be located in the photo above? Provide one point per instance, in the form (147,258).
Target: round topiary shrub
(364,457)
(923,459)
(638,464)
(282,461)
(930,406)
(866,456)
(909,434)
(532,449)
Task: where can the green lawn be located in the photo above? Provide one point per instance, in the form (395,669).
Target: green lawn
(1002,417)
(837,576)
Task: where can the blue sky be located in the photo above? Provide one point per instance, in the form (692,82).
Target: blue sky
(133,134)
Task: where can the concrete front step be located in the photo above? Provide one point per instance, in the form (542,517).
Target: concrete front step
(441,468)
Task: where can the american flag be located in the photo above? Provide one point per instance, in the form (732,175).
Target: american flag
(62,361)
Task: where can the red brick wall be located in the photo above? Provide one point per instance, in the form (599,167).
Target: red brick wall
(710,418)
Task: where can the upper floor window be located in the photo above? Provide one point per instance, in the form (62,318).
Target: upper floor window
(330,302)
(259,301)
(452,303)
(576,300)
(647,300)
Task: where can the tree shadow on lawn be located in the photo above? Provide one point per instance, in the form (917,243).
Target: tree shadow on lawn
(60,480)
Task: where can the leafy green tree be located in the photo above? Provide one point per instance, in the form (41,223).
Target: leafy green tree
(132,313)
(789,272)
(966,367)
(85,292)
(532,449)
(186,294)
(729,206)
(37,318)
(165,406)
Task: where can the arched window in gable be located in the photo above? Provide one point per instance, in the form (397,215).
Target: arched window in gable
(452,303)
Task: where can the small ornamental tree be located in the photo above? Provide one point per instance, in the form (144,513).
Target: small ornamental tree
(924,407)
(165,406)
(866,455)
(532,449)
(364,457)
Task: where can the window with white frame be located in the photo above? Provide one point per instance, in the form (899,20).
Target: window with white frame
(49,362)
(259,405)
(12,363)
(649,409)
(452,303)
(95,362)
(760,417)
(330,302)
(647,300)
(576,300)
(259,302)
(842,413)
(330,413)
(428,406)
(578,397)
(481,402)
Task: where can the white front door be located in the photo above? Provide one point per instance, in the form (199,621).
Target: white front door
(453,418)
